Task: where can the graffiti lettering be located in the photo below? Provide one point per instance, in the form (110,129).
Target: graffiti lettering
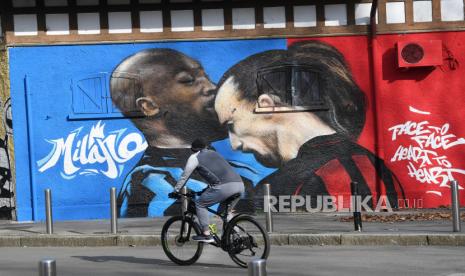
(438,138)
(408,128)
(94,148)
(427,175)
(426,160)
(416,154)
(7,204)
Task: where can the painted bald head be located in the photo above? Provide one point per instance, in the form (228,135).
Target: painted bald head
(167,86)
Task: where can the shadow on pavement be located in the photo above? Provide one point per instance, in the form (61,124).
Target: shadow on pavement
(134,260)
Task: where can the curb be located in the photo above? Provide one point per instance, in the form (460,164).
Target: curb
(346,239)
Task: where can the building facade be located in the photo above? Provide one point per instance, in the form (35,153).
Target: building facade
(305,95)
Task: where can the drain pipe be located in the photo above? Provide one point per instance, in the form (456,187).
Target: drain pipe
(374,7)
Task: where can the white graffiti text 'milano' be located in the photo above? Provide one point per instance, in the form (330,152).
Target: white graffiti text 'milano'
(427,162)
(94,153)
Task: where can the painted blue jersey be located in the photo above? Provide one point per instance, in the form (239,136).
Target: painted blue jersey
(145,189)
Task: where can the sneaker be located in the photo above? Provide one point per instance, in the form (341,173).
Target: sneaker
(203,238)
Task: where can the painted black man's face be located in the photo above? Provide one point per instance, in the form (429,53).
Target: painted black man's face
(187,101)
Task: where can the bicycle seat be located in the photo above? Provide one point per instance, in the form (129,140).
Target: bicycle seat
(231,199)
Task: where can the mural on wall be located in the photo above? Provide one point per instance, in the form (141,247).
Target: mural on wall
(7,203)
(170,99)
(303,115)
(297,114)
(423,148)
(298,110)
(84,154)
(125,122)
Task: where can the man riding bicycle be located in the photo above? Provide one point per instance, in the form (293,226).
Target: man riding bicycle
(222,179)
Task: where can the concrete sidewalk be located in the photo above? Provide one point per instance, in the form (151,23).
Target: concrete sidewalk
(289,229)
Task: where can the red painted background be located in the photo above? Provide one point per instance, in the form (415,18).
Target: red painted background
(392,91)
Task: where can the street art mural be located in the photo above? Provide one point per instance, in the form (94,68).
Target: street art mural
(171,101)
(312,141)
(298,114)
(281,105)
(170,98)
(125,122)
(420,121)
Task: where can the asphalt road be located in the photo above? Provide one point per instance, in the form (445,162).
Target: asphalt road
(285,260)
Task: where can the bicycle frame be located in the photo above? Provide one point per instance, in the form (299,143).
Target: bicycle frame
(190,212)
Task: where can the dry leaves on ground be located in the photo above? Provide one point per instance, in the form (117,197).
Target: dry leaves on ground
(405,217)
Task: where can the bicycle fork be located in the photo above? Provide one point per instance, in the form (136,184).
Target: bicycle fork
(183,229)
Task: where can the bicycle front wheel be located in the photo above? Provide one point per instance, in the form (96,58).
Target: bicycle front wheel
(177,243)
(246,240)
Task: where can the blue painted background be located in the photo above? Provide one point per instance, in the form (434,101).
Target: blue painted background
(44,74)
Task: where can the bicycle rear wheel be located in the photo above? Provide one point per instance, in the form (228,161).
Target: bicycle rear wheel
(246,240)
(177,243)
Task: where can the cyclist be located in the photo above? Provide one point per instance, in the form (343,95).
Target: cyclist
(223,182)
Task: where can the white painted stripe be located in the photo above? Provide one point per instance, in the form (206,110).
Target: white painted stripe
(434,192)
(413,109)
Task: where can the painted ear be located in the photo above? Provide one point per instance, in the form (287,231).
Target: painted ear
(266,100)
(148,106)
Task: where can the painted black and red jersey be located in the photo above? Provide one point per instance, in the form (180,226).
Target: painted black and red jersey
(326,165)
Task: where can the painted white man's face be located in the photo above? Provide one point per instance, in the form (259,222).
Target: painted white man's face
(248,132)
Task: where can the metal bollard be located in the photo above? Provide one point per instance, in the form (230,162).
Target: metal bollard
(48,211)
(113,210)
(47,267)
(269,214)
(454,186)
(184,200)
(357,213)
(257,267)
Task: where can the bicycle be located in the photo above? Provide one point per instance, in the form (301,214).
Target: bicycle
(243,238)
